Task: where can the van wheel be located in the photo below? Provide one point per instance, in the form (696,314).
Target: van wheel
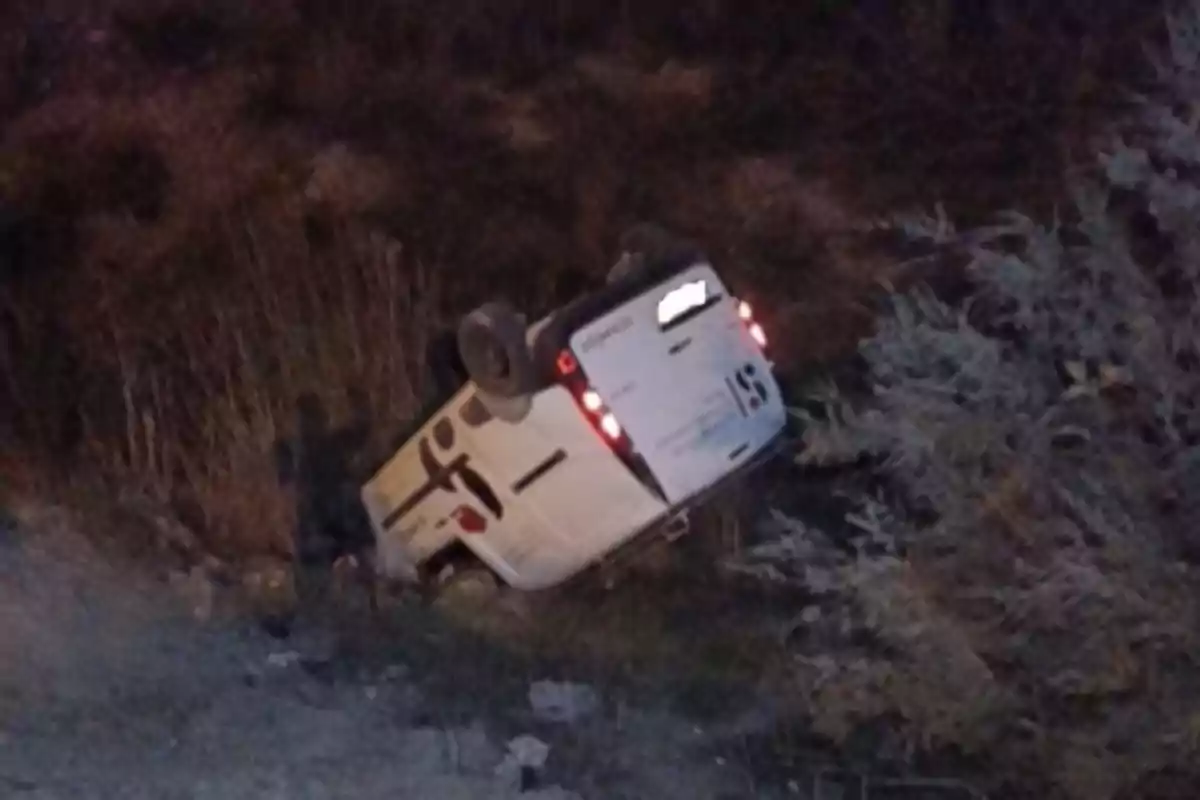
(478,600)
(467,587)
(491,341)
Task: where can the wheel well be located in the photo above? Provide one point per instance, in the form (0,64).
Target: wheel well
(456,555)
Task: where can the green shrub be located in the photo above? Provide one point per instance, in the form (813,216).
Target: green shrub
(1033,556)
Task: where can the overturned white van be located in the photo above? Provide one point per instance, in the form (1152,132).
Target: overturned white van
(586,431)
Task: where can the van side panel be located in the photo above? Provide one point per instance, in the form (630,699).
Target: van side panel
(536,501)
(572,500)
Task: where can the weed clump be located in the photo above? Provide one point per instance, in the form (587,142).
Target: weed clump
(1026,571)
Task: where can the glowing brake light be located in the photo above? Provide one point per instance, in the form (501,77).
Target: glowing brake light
(758,334)
(599,414)
(591,401)
(746,315)
(610,426)
(566,363)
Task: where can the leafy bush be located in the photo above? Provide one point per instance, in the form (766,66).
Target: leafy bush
(1032,575)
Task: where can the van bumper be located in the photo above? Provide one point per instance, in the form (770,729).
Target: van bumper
(628,552)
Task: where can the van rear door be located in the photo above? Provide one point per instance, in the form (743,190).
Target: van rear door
(690,387)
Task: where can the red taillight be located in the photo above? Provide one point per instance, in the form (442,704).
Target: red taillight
(593,405)
(598,414)
(746,315)
(757,333)
(591,401)
(604,422)
(610,427)
(566,363)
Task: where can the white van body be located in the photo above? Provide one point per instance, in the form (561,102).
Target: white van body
(678,373)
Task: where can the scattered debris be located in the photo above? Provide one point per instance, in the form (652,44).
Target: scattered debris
(562,702)
(284,659)
(527,755)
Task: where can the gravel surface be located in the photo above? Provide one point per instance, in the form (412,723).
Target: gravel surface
(110,689)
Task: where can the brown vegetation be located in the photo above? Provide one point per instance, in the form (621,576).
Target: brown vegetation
(180,180)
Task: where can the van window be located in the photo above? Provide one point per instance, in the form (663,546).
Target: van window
(684,302)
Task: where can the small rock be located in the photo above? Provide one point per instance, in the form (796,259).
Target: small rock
(529,751)
(562,702)
(810,615)
(284,659)
(526,757)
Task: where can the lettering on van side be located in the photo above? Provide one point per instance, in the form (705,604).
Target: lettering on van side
(753,392)
(604,334)
(715,414)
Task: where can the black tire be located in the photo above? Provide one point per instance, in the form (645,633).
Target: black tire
(491,342)
(471,586)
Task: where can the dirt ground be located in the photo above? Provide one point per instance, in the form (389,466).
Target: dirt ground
(109,688)
(119,679)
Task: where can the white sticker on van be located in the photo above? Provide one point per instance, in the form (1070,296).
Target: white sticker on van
(681,300)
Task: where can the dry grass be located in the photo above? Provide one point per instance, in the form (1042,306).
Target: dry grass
(192,399)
